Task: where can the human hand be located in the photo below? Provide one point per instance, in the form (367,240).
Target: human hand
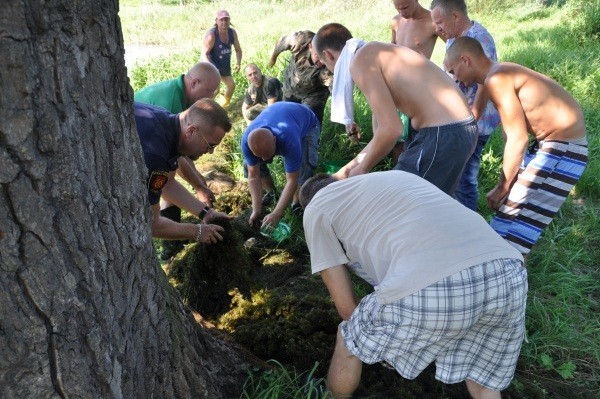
(213,215)
(353,132)
(272,219)
(496,197)
(209,233)
(205,195)
(254,220)
(236,68)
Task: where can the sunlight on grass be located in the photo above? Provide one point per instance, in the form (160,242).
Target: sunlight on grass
(562,42)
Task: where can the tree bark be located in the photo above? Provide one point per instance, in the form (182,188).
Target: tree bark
(85,309)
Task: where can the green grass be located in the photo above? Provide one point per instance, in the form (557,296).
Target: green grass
(561,40)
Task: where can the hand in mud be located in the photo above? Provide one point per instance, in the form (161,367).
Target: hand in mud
(213,215)
(353,132)
(211,234)
(254,220)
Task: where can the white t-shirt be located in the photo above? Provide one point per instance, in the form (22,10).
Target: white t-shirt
(398,232)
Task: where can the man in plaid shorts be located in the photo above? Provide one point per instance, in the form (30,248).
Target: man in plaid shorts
(448,289)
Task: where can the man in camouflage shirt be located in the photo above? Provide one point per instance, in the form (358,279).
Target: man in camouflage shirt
(304,80)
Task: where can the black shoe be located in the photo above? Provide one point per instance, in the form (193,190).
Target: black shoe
(297,209)
(268,198)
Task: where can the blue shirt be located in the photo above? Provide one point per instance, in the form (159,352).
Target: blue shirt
(289,122)
(158,131)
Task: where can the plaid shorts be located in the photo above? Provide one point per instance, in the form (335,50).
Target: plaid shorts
(471,324)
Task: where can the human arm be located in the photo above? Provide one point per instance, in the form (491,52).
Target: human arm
(175,193)
(480,102)
(338,283)
(255,188)
(387,126)
(163,227)
(394,26)
(187,170)
(281,46)
(238,52)
(209,42)
(287,194)
(500,88)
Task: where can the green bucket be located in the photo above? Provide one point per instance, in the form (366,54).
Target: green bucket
(279,233)
(333,166)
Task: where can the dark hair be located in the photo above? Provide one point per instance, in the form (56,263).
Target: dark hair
(447,6)
(211,114)
(313,185)
(332,36)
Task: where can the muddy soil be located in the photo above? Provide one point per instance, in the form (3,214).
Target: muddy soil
(263,295)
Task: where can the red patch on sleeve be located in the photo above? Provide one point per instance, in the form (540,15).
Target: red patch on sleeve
(157,181)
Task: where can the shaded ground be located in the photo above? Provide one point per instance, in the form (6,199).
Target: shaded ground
(264,296)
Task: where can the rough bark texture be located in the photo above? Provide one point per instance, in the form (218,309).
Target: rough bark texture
(85,310)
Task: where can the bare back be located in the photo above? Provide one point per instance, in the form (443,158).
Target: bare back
(417,34)
(550,112)
(396,78)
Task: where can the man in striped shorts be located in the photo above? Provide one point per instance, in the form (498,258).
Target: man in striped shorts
(448,289)
(531,187)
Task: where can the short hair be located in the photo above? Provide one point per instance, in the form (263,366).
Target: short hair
(252,64)
(447,6)
(332,36)
(209,112)
(313,185)
(464,44)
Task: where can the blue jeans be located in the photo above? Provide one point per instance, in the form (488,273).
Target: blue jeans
(466,192)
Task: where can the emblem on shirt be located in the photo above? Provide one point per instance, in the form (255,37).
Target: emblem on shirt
(157,181)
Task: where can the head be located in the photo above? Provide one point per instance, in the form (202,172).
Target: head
(314,56)
(329,42)
(313,185)
(462,59)
(450,17)
(222,20)
(405,8)
(203,126)
(262,143)
(253,75)
(202,81)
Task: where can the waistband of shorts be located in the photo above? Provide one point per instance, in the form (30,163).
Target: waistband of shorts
(463,123)
(582,141)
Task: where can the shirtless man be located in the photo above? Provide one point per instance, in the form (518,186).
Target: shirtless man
(531,187)
(394,78)
(412,28)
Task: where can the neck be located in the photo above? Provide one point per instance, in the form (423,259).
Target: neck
(465,26)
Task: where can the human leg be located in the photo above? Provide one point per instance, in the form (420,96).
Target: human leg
(480,392)
(344,371)
(229,89)
(466,192)
(539,192)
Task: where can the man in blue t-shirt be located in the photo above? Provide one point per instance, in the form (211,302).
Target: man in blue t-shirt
(164,137)
(292,131)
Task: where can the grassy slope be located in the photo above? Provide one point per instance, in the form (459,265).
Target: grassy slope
(562,318)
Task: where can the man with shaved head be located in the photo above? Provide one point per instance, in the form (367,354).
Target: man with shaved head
(176,95)
(532,186)
(292,131)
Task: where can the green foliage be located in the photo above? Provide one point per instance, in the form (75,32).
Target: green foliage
(279,382)
(559,39)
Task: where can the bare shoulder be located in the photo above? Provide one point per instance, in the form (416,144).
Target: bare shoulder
(395,22)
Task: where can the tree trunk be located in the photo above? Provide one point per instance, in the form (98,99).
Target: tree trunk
(85,309)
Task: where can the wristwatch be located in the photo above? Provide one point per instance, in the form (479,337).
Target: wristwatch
(203,212)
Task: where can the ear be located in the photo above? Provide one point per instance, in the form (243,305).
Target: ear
(466,59)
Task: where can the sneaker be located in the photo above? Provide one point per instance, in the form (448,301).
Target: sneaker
(297,209)
(268,198)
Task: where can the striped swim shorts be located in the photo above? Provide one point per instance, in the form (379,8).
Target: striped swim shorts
(471,324)
(542,186)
